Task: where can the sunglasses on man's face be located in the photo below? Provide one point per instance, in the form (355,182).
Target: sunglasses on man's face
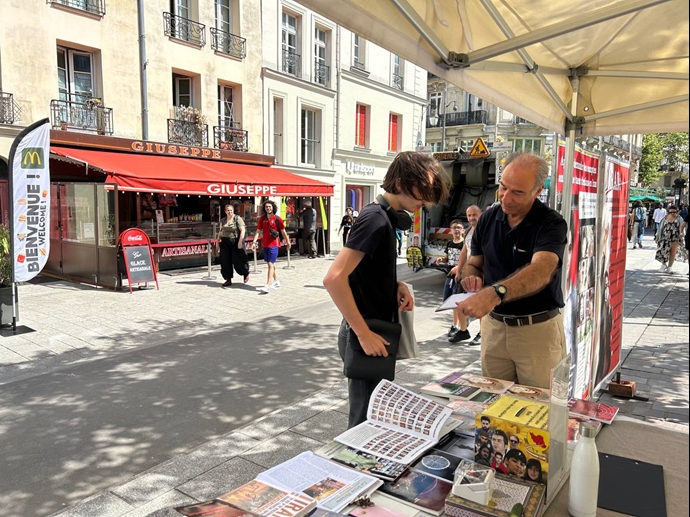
(673,212)
(514,441)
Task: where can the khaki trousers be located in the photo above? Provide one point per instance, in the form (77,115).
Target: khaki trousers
(522,354)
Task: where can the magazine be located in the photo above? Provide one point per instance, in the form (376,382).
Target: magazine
(486,384)
(529,392)
(449,391)
(213,509)
(400,426)
(362,461)
(592,410)
(439,464)
(424,492)
(334,487)
(269,501)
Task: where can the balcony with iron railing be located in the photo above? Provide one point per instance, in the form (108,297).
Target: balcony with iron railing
(398,82)
(322,73)
(462,118)
(227,43)
(96,7)
(292,62)
(10,112)
(231,138)
(184,29)
(81,114)
(520,120)
(186,132)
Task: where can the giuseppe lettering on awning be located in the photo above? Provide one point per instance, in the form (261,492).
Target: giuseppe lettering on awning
(242,190)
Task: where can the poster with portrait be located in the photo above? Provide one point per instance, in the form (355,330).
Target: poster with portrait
(579,295)
(613,216)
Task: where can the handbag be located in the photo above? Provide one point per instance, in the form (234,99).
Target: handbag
(359,365)
(408,348)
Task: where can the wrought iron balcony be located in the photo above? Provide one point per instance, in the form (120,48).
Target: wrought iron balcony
(520,120)
(231,138)
(398,82)
(462,118)
(184,29)
(228,43)
(292,62)
(10,112)
(81,114)
(90,6)
(185,132)
(322,73)
(360,65)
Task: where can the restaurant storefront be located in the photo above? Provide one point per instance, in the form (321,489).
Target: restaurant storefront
(103,185)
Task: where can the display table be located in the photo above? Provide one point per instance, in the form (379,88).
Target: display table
(645,442)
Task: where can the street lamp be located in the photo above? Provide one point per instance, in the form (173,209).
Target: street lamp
(433,119)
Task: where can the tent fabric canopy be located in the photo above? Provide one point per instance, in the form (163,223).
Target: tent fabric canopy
(521,54)
(154,173)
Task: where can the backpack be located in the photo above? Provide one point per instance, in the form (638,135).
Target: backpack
(639,214)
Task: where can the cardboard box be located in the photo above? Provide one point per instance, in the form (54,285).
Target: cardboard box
(518,430)
(507,492)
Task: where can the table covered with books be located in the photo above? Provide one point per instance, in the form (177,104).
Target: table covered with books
(491,448)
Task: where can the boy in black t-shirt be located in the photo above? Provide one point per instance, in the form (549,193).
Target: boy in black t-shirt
(362,280)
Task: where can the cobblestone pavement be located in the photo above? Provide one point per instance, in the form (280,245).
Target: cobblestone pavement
(78,323)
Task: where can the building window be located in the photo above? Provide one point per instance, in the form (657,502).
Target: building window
(278,130)
(527,145)
(75,75)
(321,69)
(224,34)
(393,132)
(180,24)
(182,91)
(291,59)
(359,52)
(435,100)
(398,79)
(361,125)
(224,16)
(226,107)
(90,6)
(310,139)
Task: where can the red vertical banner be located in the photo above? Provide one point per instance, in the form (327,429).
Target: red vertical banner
(579,321)
(614,227)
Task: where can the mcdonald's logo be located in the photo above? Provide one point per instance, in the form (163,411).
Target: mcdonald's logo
(32,158)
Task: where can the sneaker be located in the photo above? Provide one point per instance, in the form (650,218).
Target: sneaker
(275,285)
(640,245)
(669,270)
(265,289)
(477,339)
(246,278)
(663,268)
(460,335)
(227,283)
(453,330)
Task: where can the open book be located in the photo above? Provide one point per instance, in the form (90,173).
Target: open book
(400,426)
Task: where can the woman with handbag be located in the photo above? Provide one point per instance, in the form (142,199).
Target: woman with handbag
(229,244)
(668,238)
(362,280)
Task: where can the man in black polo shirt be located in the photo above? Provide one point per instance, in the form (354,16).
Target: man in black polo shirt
(515,271)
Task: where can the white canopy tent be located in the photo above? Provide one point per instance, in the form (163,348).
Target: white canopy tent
(598,67)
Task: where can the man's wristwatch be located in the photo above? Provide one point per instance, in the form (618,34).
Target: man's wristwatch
(501,291)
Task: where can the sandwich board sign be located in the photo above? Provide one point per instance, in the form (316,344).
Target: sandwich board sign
(479,149)
(138,256)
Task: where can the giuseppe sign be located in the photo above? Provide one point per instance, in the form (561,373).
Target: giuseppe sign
(241,190)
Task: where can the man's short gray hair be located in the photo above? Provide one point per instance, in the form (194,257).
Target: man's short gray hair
(531,161)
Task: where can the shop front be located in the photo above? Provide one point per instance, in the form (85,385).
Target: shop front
(103,186)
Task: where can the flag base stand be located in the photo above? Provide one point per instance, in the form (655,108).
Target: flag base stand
(8,330)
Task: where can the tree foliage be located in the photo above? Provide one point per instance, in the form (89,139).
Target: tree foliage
(661,153)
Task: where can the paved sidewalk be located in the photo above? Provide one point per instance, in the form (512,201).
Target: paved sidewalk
(77,323)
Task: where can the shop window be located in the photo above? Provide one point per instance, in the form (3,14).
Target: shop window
(393,132)
(310,145)
(362,126)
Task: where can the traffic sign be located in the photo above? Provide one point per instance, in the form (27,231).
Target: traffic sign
(479,149)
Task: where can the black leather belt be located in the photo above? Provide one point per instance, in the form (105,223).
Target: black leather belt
(530,319)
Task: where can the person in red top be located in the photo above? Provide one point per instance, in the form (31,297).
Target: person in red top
(270,228)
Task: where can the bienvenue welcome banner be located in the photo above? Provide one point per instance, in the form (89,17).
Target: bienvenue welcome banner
(30,174)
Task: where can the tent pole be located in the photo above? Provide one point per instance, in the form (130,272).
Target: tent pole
(638,107)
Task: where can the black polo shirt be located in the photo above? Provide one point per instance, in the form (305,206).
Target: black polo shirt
(506,250)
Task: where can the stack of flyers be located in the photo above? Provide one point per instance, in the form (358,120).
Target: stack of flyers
(592,410)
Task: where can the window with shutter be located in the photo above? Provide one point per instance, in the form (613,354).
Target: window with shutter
(393,133)
(361,126)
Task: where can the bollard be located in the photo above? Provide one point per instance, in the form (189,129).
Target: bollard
(288,264)
(256,269)
(210,261)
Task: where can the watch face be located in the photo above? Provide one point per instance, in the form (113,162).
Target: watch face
(434,462)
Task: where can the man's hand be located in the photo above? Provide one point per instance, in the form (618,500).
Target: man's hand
(405,299)
(472,284)
(373,344)
(455,272)
(481,304)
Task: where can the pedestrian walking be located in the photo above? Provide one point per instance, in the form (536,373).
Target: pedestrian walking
(346,224)
(230,245)
(668,239)
(308,216)
(659,215)
(270,228)
(639,218)
(362,280)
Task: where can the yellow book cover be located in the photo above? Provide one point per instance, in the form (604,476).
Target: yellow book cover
(531,413)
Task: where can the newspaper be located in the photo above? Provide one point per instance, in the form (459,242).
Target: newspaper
(334,487)
(400,426)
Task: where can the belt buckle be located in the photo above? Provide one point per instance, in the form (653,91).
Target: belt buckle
(519,322)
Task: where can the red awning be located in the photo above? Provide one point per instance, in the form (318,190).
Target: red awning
(179,175)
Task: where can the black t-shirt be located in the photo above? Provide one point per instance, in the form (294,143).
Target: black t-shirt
(374,282)
(506,250)
(453,250)
(346,222)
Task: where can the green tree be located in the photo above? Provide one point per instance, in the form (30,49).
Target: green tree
(661,152)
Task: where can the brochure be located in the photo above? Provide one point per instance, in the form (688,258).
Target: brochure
(362,461)
(334,487)
(269,501)
(400,426)
(451,302)
(593,410)
(486,384)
